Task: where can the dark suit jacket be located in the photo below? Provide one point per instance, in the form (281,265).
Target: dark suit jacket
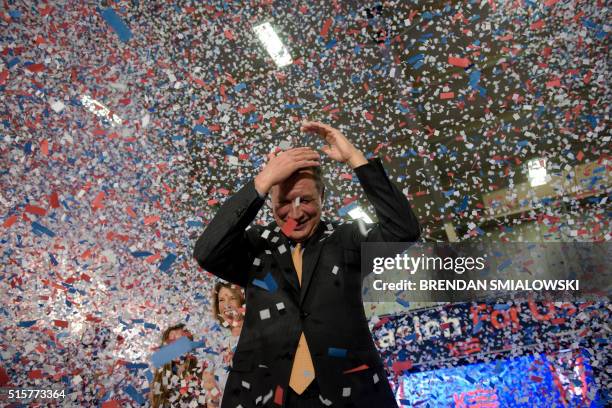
(327,307)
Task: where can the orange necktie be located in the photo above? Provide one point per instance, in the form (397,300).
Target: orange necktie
(302,372)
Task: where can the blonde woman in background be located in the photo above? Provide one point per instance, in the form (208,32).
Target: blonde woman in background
(228,309)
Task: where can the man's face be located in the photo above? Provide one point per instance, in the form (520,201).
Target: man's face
(297,198)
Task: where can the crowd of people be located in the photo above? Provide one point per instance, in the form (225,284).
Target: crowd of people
(206,378)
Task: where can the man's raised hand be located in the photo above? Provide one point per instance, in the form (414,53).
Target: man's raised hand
(338,148)
(282,165)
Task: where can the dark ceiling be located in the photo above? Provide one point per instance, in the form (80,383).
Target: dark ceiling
(454,96)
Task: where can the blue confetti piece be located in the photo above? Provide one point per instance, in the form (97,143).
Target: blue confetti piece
(201,129)
(12,62)
(293,106)
(463,206)
(198,344)
(416,58)
(171,352)
(477,327)
(151,326)
(167,262)
(239,87)
(141,254)
(53,260)
(39,228)
(117,24)
(27,323)
(402,302)
(134,394)
(330,44)
(260,283)
(336,352)
(136,366)
(271,283)
(345,210)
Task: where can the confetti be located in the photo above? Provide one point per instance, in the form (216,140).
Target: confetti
(171,352)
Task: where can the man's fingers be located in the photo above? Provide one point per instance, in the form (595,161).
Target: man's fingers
(300,150)
(316,127)
(310,154)
(306,163)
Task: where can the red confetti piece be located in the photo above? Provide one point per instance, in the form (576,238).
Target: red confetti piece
(151,219)
(289,226)
(60,323)
(35,374)
(32,209)
(97,202)
(35,67)
(447,95)
(580,156)
(153,258)
(553,83)
(10,221)
(246,109)
(459,62)
(53,200)
(44,147)
(278,395)
(229,35)
(130,212)
(399,366)
(537,25)
(111,404)
(46,11)
(3,76)
(4,378)
(325,28)
(357,369)
(86,254)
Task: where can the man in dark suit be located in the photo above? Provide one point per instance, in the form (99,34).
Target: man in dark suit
(305,340)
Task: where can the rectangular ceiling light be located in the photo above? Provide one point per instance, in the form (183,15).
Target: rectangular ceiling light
(357,213)
(273,44)
(536,172)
